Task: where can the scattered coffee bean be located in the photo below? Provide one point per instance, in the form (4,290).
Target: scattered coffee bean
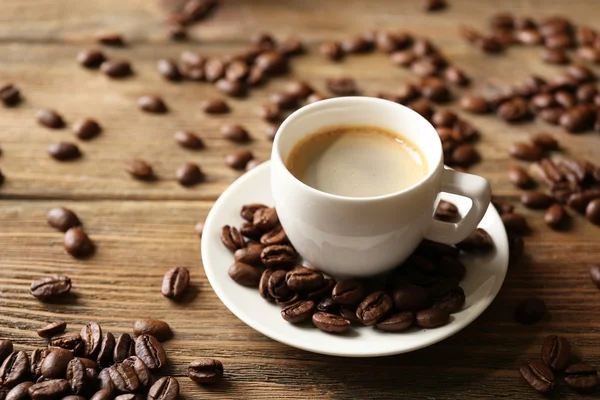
(373,308)
(141,370)
(90,58)
(464,155)
(139,169)
(168,69)
(239,159)
(91,334)
(330,322)
(313,98)
(188,140)
(513,110)
(62,219)
(579,201)
(116,68)
(77,243)
(110,39)
(50,287)
(456,76)
(432,318)
(14,369)
(189,174)
(592,211)
(554,56)
(581,377)
(155,327)
(577,119)
(176,282)
(594,276)
(298,312)
(205,371)
(555,216)
(51,329)
(538,375)
(298,89)
(478,241)
(444,118)
(52,389)
(530,311)
(545,141)
(231,88)
(64,151)
(270,112)
(536,200)
(272,63)
(525,151)
(235,133)
(434,5)
(555,352)
(9,95)
(86,129)
(342,86)
(166,388)
(50,119)
(150,351)
(331,50)
(152,104)
(474,104)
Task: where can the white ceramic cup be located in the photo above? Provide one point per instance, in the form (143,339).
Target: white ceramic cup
(361,236)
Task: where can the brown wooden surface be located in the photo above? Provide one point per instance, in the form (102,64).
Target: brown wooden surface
(143,229)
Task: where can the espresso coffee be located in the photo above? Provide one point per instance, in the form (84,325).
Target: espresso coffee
(357,161)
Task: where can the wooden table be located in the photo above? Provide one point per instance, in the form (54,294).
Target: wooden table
(143,229)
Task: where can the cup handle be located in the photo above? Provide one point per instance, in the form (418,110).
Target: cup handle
(472,186)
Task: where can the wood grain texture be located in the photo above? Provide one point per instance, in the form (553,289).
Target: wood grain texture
(139,237)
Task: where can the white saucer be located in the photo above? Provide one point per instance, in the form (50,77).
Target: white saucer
(484,278)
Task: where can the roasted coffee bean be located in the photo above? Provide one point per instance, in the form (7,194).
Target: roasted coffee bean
(76,376)
(110,39)
(272,63)
(256,77)
(298,312)
(424,67)
(539,376)
(150,351)
(19,392)
(581,73)
(290,47)
(90,58)
(529,37)
(284,101)
(236,71)
(555,352)
(275,236)
(107,349)
(62,219)
(502,206)
(214,69)
(536,200)
(166,388)
(478,241)
(235,133)
(51,287)
(103,394)
(277,286)
(215,106)
(304,279)
(577,119)
(515,223)
(116,68)
(205,370)
(551,115)
(248,211)
(124,378)
(189,174)
(513,110)
(35,362)
(73,397)
(330,322)
(323,291)
(530,311)
(47,390)
(409,297)
(525,151)
(124,348)
(435,90)
(250,231)
(232,238)
(64,151)
(155,327)
(245,274)
(175,282)
(131,396)
(89,363)
(374,307)
(231,88)
(586,93)
(422,107)
(141,370)
(397,322)
(54,365)
(168,69)
(104,381)
(77,243)
(579,201)
(348,292)
(6,348)
(238,159)
(474,104)
(71,341)
(594,276)
(91,334)
(253,164)
(50,119)
(456,76)
(270,112)
(188,140)
(265,219)
(564,99)
(519,177)
(554,56)
(545,141)
(342,86)
(263,285)
(86,129)
(432,318)
(152,104)
(445,118)
(464,155)
(542,101)
(451,302)
(327,305)
(434,5)
(298,89)
(9,95)
(581,377)
(278,256)
(592,211)
(446,211)
(14,369)
(555,216)
(355,45)
(139,169)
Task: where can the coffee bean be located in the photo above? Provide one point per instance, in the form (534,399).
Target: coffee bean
(245,274)
(104,381)
(555,352)
(408,297)
(73,397)
(542,101)
(565,99)
(19,392)
(525,151)
(103,394)
(90,58)
(502,206)
(272,63)
(91,334)
(592,211)
(168,69)
(594,276)
(577,119)
(446,211)
(235,133)
(14,369)
(555,216)
(141,370)
(250,231)
(464,155)
(530,311)
(110,39)
(284,101)
(139,169)
(52,389)
(150,351)
(515,223)
(189,174)
(277,286)
(278,256)
(124,348)
(403,58)
(231,88)
(397,322)
(152,104)
(551,115)
(424,67)
(176,281)
(50,119)
(132,396)
(231,238)
(432,318)
(298,89)
(456,76)
(214,69)
(342,86)
(545,141)
(263,285)
(116,68)
(107,349)
(35,362)
(331,50)
(554,56)
(451,302)
(239,159)
(374,307)
(77,243)
(586,93)
(248,211)
(348,292)
(270,112)
(123,378)
(330,322)
(54,365)
(51,329)
(539,376)
(9,95)
(176,31)
(513,110)
(290,47)
(304,279)
(205,371)
(474,104)
(298,312)
(166,388)
(435,90)
(275,236)
(327,305)
(76,376)
(536,200)
(71,341)
(265,219)
(581,377)
(155,327)
(62,219)
(249,254)
(478,241)
(86,129)
(188,140)
(64,151)
(50,287)
(434,5)
(579,201)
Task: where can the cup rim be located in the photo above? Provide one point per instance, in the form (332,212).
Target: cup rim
(432,169)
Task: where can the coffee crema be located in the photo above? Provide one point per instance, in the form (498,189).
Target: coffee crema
(356,161)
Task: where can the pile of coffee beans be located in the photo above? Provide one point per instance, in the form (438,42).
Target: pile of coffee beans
(422,292)
(555,359)
(93,364)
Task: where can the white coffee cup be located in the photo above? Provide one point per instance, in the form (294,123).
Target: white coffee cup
(361,236)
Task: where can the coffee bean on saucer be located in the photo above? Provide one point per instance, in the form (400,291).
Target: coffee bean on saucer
(175,282)
(189,174)
(330,322)
(53,328)
(581,377)
(152,104)
(275,236)
(250,231)
(155,327)
(478,241)
(265,219)
(10,95)
(116,68)
(374,307)
(50,119)
(409,297)
(348,292)
(168,69)
(235,133)
(90,58)
(555,352)
(278,256)
(86,129)
(432,318)
(14,369)
(62,219)
(215,106)
(249,254)
(248,211)
(530,311)
(451,302)
(342,86)
(277,286)
(397,322)
(232,238)
(302,279)
(298,312)
(592,211)
(77,243)
(538,375)
(239,159)
(205,371)
(51,287)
